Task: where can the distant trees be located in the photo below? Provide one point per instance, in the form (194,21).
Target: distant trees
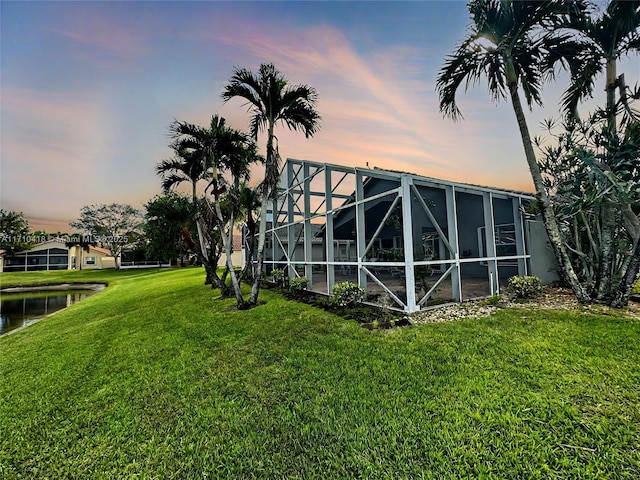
(113,226)
(169,227)
(14,232)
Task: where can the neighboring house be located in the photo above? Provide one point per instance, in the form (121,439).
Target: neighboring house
(55,255)
(415,240)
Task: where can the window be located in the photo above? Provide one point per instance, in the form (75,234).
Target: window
(90,260)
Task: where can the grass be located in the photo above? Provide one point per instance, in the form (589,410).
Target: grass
(156,377)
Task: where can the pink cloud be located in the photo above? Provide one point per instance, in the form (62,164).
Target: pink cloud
(96,30)
(375,108)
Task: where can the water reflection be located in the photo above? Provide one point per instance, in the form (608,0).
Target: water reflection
(21,309)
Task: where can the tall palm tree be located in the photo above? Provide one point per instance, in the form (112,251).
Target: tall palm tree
(200,154)
(272,100)
(507,44)
(600,42)
(221,149)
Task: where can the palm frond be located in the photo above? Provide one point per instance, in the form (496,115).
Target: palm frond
(620,26)
(168,165)
(172,180)
(465,65)
(246,85)
(582,84)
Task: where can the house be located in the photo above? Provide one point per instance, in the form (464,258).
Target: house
(54,254)
(411,241)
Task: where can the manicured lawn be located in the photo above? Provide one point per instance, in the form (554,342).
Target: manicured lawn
(155,377)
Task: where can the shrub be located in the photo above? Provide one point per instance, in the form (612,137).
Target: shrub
(347,294)
(525,286)
(298,284)
(493,300)
(278,276)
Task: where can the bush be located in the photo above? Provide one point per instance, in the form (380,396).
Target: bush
(347,294)
(494,300)
(278,276)
(525,286)
(298,284)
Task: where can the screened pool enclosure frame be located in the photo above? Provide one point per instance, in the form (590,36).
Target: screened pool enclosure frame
(410,241)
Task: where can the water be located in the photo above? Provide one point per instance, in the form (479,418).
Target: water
(21,309)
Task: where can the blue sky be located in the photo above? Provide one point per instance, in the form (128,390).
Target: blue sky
(88,90)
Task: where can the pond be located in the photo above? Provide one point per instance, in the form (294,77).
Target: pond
(21,307)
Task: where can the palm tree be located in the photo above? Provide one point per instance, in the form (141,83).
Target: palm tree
(199,155)
(272,100)
(185,166)
(220,148)
(600,43)
(507,44)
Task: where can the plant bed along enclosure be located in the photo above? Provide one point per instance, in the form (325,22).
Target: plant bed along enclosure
(369,316)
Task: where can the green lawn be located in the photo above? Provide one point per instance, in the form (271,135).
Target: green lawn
(156,377)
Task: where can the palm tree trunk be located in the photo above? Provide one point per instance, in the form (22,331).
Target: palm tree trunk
(608,209)
(257,277)
(548,215)
(612,80)
(227,242)
(266,194)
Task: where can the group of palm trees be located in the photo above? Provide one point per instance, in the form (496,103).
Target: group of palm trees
(516,46)
(222,157)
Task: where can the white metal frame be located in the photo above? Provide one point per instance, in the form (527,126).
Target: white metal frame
(291,210)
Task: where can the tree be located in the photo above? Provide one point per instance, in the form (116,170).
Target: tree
(185,166)
(189,164)
(222,150)
(247,200)
(600,42)
(114,226)
(592,171)
(14,232)
(271,100)
(508,44)
(169,227)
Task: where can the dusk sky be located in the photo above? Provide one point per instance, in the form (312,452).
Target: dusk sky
(88,90)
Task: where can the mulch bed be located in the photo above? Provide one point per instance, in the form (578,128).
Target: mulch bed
(554,298)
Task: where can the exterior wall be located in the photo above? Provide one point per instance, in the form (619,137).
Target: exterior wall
(237,258)
(543,264)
